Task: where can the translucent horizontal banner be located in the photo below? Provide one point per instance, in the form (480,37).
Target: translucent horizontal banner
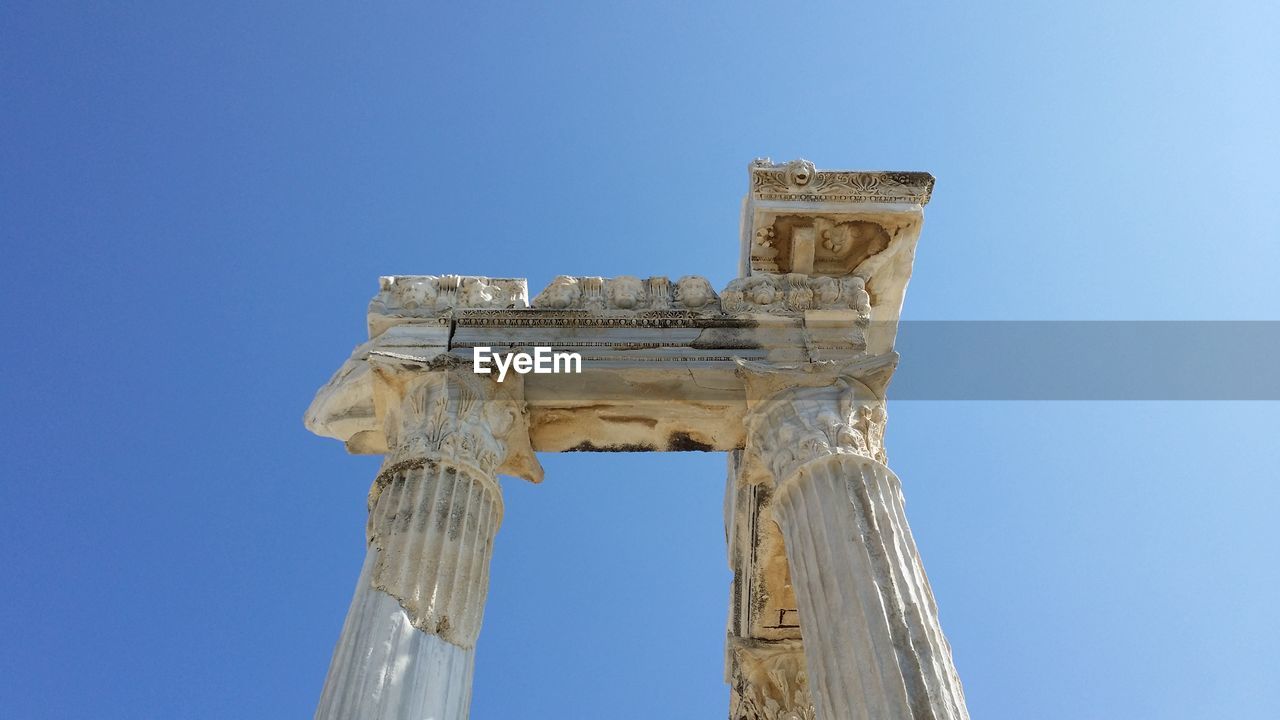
(1087,360)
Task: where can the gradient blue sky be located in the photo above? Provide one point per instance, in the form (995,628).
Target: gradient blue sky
(196,201)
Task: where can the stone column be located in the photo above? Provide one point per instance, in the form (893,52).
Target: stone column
(872,643)
(407,648)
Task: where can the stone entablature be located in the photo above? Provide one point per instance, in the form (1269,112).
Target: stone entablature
(628,331)
(407,298)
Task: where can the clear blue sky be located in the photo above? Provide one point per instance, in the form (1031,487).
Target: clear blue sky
(196,202)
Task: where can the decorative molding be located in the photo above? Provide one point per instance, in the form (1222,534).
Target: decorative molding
(877,650)
(799,180)
(650,319)
(455,417)
(795,293)
(451,301)
(430,295)
(627,293)
(798,425)
(436,505)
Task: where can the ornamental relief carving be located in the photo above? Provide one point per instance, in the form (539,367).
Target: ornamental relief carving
(816,244)
(795,293)
(430,295)
(627,293)
(799,425)
(453,417)
(799,179)
(769,682)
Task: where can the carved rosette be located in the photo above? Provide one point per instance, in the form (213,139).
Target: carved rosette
(798,425)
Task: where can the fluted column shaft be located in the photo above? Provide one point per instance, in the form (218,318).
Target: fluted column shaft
(384,668)
(407,648)
(873,645)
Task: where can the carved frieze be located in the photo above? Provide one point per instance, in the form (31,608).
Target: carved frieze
(769,682)
(429,295)
(454,417)
(818,244)
(785,368)
(627,293)
(796,293)
(800,180)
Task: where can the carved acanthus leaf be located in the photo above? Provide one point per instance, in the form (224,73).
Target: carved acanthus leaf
(453,417)
(431,295)
(802,424)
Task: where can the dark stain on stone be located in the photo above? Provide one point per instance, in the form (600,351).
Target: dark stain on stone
(719,344)
(682,442)
(588,446)
(651,422)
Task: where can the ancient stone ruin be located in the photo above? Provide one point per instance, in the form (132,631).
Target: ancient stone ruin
(784,369)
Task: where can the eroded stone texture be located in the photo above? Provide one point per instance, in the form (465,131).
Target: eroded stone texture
(385,668)
(628,294)
(406,297)
(434,511)
(768,681)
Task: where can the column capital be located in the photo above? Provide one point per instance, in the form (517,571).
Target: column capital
(797,416)
(443,412)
